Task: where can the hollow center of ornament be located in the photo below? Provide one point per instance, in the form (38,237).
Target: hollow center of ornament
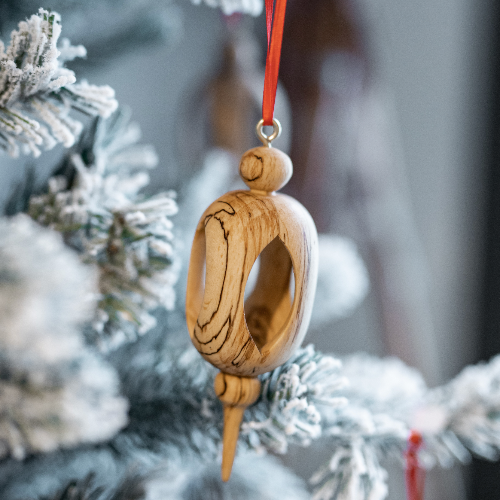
(269,293)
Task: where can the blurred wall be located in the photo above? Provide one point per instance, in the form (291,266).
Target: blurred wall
(436,59)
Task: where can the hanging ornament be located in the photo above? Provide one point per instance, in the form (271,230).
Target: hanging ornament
(245,338)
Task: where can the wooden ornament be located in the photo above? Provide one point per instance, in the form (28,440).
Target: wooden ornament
(245,338)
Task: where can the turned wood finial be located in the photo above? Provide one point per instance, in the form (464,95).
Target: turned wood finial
(265,169)
(246,336)
(235,393)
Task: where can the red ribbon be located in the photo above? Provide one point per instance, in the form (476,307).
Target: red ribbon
(415,475)
(275,20)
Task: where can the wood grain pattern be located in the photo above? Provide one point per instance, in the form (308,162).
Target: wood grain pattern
(235,393)
(231,234)
(247,339)
(265,169)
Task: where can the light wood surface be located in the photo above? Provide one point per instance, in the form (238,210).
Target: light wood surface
(265,169)
(235,393)
(246,339)
(230,236)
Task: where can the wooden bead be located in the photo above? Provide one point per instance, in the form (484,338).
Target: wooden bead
(265,169)
(236,391)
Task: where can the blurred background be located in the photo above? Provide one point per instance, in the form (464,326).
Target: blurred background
(391,115)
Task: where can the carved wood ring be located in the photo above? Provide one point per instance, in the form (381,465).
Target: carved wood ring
(231,234)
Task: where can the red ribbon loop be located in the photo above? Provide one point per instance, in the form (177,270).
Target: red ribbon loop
(415,475)
(275,20)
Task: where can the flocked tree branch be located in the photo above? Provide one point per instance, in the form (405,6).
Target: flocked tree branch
(53,392)
(288,410)
(96,204)
(37,93)
(386,400)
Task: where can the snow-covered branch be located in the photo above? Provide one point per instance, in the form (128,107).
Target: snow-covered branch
(97,205)
(53,391)
(37,92)
(386,400)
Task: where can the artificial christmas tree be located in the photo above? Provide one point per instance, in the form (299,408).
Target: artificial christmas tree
(101,397)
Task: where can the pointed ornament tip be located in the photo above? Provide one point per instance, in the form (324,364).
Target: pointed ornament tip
(236,394)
